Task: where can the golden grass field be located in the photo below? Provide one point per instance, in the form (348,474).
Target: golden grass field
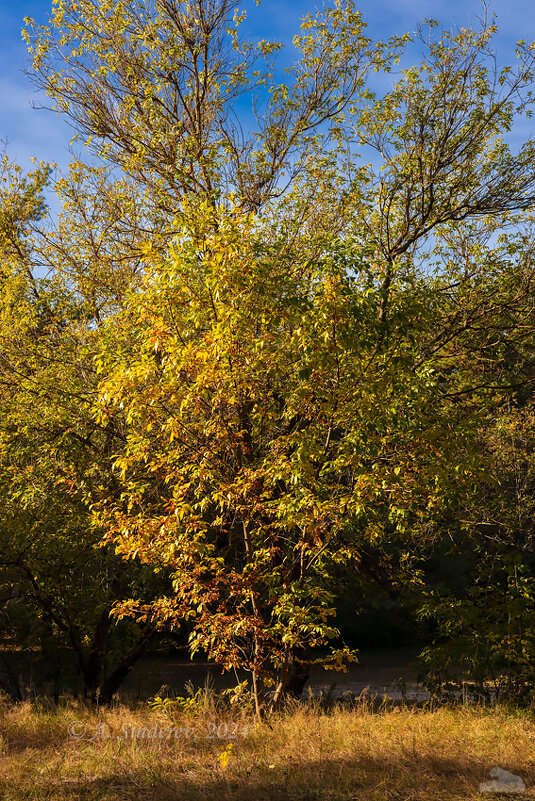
(304,753)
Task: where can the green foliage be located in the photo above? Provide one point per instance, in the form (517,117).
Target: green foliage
(485,627)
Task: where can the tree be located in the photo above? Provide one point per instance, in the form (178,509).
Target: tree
(483,612)
(156,89)
(484,636)
(256,459)
(58,586)
(288,369)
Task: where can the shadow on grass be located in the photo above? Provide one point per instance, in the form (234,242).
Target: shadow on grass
(406,777)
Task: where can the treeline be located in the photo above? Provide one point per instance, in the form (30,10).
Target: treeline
(258,372)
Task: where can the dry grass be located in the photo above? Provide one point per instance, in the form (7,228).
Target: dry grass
(306,753)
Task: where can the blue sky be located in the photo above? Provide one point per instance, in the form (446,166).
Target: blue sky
(42,134)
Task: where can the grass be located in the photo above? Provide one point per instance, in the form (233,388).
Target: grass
(306,753)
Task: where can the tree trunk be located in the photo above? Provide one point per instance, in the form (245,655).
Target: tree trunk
(8,682)
(93,666)
(258,684)
(294,675)
(109,687)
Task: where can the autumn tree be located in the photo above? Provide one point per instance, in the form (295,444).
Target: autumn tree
(255,460)
(57,585)
(289,365)
(157,89)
